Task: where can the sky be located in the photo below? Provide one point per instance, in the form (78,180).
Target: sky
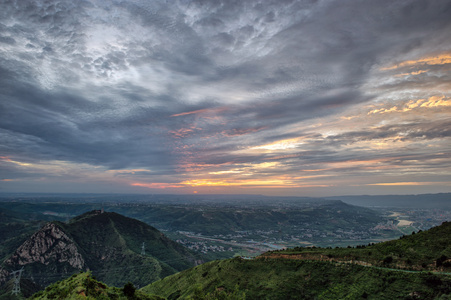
(294,98)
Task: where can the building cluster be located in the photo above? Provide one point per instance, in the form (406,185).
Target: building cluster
(202,247)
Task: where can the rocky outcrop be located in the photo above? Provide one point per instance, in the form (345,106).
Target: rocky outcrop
(106,243)
(50,244)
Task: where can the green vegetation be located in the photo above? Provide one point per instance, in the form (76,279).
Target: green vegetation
(112,245)
(415,266)
(366,272)
(108,244)
(283,216)
(268,221)
(212,220)
(85,286)
(425,250)
(297,279)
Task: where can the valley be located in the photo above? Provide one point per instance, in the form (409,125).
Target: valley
(102,235)
(222,227)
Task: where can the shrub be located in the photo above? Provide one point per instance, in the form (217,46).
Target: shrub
(388,260)
(129,290)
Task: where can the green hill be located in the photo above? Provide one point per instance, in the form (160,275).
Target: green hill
(85,286)
(110,240)
(298,279)
(425,250)
(108,244)
(369,272)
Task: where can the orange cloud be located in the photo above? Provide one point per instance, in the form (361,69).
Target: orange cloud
(250,182)
(157,185)
(431,60)
(431,102)
(412,73)
(182,132)
(7,159)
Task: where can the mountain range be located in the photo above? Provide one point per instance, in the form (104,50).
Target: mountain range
(99,247)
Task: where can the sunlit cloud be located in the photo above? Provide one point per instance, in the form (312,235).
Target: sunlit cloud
(279,145)
(6,159)
(231,97)
(431,102)
(156,185)
(231,182)
(441,59)
(412,73)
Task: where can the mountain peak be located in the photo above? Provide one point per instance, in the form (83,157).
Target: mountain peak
(47,245)
(107,243)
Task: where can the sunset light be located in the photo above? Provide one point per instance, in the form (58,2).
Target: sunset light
(297,98)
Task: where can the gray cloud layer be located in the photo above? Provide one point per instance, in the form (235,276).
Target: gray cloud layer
(111,84)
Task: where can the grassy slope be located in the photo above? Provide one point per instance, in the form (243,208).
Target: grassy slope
(296,279)
(417,251)
(274,277)
(112,245)
(84,286)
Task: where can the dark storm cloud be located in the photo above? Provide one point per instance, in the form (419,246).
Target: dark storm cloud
(68,127)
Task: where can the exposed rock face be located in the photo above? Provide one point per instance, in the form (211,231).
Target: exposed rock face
(49,244)
(106,243)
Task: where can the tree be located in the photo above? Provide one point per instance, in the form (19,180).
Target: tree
(129,290)
(388,260)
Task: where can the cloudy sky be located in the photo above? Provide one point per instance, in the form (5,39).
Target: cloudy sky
(307,98)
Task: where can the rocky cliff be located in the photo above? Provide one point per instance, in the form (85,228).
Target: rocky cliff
(108,244)
(49,251)
(48,245)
